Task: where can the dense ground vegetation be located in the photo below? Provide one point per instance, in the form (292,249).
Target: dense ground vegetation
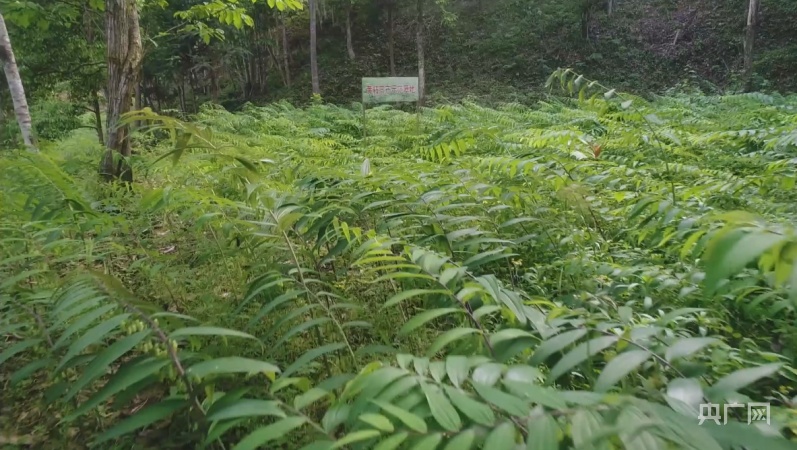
(580,273)
(495,50)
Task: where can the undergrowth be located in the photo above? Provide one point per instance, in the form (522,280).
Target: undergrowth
(584,273)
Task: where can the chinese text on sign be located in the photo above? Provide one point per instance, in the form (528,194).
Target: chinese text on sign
(388,90)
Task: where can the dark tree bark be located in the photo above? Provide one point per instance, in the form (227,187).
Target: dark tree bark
(749,40)
(390,37)
(124,62)
(314,48)
(285,53)
(419,45)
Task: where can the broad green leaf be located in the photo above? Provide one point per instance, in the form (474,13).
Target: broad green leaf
(81,323)
(462,441)
(543,433)
(231,364)
(409,419)
(310,356)
(442,409)
(99,365)
(448,337)
(268,433)
(509,334)
(356,436)
(585,426)
(475,410)
(541,395)
(742,378)
(392,442)
(17,348)
(620,366)
(555,344)
(503,436)
(29,369)
(684,395)
(92,336)
(142,418)
(429,442)
(457,368)
(247,407)
(733,251)
(580,354)
(686,346)
(488,373)
(424,317)
(309,397)
(377,421)
(633,433)
(502,400)
(209,331)
(404,295)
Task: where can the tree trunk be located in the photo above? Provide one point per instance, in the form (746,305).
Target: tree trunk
(124,63)
(610,7)
(15,87)
(95,101)
(285,54)
(349,45)
(139,99)
(313,48)
(585,20)
(749,39)
(390,39)
(419,44)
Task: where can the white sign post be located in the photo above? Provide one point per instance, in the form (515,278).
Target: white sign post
(389,90)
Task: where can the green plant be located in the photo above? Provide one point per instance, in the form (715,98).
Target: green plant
(517,277)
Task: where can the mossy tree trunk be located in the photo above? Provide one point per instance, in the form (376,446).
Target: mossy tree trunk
(124,62)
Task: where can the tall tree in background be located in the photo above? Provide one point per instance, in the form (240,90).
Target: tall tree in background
(15,86)
(349,44)
(313,48)
(419,44)
(391,6)
(749,39)
(124,61)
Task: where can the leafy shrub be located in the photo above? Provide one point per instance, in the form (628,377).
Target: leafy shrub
(571,275)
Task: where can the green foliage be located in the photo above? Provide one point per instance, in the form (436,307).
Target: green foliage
(581,274)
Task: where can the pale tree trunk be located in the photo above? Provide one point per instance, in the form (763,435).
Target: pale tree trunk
(419,44)
(349,45)
(390,39)
(285,53)
(124,62)
(15,87)
(313,48)
(749,39)
(610,7)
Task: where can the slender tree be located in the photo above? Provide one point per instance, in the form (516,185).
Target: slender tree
(419,45)
(749,39)
(15,87)
(124,61)
(391,6)
(313,48)
(285,52)
(349,44)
